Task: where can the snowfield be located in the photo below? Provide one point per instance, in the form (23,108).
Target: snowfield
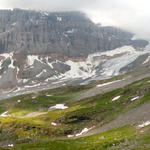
(58,106)
(110,61)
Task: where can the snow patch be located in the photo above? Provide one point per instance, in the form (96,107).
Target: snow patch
(58,106)
(146,61)
(108,83)
(4,114)
(135,98)
(45,13)
(19,101)
(31,86)
(48,95)
(116,98)
(14,24)
(41,73)
(144,124)
(59,19)
(25,80)
(71,31)
(81,133)
(78,70)
(9,55)
(117,51)
(17,90)
(31,59)
(33,97)
(48,63)
(54,124)
(70,136)
(11,145)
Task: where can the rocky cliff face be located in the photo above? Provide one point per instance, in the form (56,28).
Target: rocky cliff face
(69,33)
(41,47)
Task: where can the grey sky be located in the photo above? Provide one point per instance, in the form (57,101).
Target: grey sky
(132,15)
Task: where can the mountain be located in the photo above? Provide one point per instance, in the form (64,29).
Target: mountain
(69,84)
(69,33)
(38,48)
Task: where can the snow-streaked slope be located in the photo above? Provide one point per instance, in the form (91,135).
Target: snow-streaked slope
(113,66)
(110,61)
(117,51)
(38,70)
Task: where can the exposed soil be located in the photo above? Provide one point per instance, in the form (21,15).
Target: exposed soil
(127,80)
(133,117)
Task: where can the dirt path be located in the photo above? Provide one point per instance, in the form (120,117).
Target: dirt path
(34,114)
(134,116)
(106,88)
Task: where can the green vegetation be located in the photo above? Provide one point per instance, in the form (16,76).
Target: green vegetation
(29,123)
(126,137)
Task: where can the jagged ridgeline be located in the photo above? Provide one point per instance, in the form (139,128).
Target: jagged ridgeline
(72,34)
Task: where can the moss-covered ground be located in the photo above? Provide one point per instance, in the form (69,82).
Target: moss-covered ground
(37,132)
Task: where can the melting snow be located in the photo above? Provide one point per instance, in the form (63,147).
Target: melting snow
(18,89)
(79,70)
(147,60)
(59,19)
(120,50)
(31,86)
(116,98)
(45,13)
(50,64)
(58,106)
(110,67)
(48,95)
(6,55)
(13,24)
(113,66)
(25,80)
(81,133)
(33,97)
(10,145)
(32,58)
(4,114)
(70,136)
(9,55)
(87,69)
(104,84)
(54,124)
(71,31)
(135,98)
(144,124)
(41,73)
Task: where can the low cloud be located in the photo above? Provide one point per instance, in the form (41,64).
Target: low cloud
(131,15)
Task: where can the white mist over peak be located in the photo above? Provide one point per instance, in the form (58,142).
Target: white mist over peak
(130,15)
